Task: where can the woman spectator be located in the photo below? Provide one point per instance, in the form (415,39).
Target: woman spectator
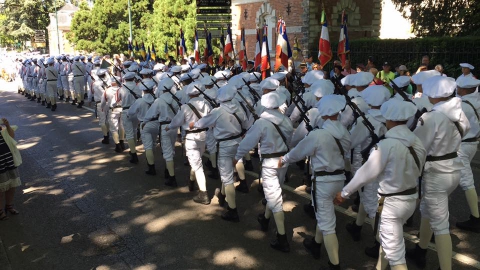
(10,159)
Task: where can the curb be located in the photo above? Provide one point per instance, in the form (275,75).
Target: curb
(4,262)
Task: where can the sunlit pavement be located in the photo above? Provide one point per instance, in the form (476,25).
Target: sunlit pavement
(85,207)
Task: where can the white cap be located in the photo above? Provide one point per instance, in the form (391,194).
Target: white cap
(402,81)
(176,69)
(271,100)
(166,83)
(76,58)
(422,76)
(195,73)
(149,85)
(226,93)
(114,79)
(82,57)
(467,65)
(185,76)
(185,68)
(270,84)
(129,75)
(191,90)
(236,81)
(50,61)
(322,88)
(348,80)
(255,77)
(219,74)
(312,76)
(158,67)
(331,104)
(133,68)
(362,79)
(146,71)
(207,80)
(398,110)
(101,72)
(439,86)
(467,82)
(376,95)
(127,63)
(201,66)
(280,76)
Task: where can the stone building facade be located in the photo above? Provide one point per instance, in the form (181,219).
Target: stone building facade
(302,18)
(65,16)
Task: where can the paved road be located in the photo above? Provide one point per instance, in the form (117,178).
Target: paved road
(85,207)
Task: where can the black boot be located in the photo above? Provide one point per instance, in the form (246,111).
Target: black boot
(185,161)
(372,252)
(209,165)
(242,187)
(214,174)
(151,169)
(67,99)
(263,222)
(171,181)
(32,98)
(118,148)
(418,255)
(473,224)
(309,210)
(39,100)
(166,174)
(231,215)
(43,102)
(248,165)
(220,196)
(280,243)
(54,107)
(74,102)
(106,140)
(202,198)
(354,230)
(134,158)
(80,104)
(122,144)
(260,189)
(49,105)
(192,185)
(85,96)
(61,97)
(313,247)
(333,266)
(301,164)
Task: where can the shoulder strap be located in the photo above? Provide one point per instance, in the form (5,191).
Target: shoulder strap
(195,111)
(238,119)
(171,107)
(471,105)
(415,157)
(340,147)
(131,92)
(459,128)
(281,135)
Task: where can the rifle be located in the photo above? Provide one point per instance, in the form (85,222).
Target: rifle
(254,93)
(371,129)
(178,86)
(209,99)
(200,70)
(303,114)
(418,114)
(173,96)
(249,107)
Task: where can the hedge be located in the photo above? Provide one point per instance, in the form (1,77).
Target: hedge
(446,51)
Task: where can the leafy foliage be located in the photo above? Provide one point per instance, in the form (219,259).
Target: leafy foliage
(442,17)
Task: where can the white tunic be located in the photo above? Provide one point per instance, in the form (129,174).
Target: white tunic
(140,107)
(474,99)
(186,115)
(162,108)
(126,97)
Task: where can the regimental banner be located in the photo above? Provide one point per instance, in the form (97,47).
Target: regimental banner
(214,18)
(214,11)
(214,3)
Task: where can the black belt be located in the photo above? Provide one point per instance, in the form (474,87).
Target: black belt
(51,80)
(471,140)
(126,108)
(324,173)
(196,130)
(410,191)
(444,157)
(230,138)
(78,75)
(96,102)
(165,122)
(112,108)
(274,155)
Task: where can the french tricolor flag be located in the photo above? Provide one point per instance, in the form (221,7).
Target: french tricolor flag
(258,51)
(242,55)
(182,50)
(228,50)
(324,48)
(196,49)
(265,56)
(343,44)
(284,52)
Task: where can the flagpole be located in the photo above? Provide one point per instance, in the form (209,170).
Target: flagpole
(130,20)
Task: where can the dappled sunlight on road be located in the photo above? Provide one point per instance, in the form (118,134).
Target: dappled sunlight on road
(230,256)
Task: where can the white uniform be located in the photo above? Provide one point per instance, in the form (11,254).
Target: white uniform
(271,143)
(162,112)
(52,79)
(394,166)
(469,144)
(129,124)
(439,135)
(98,93)
(326,158)
(78,70)
(361,140)
(138,111)
(111,103)
(57,67)
(64,71)
(194,139)
(227,131)
(347,117)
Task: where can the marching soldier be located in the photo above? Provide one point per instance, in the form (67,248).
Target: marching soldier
(64,71)
(57,67)
(111,103)
(441,131)
(273,131)
(396,162)
(228,122)
(78,70)
(195,109)
(97,92)
(466,87)
(327,147)
(52,79)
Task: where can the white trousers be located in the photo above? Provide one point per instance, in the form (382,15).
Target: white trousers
(466,153)
(436,187)
(369,198)
(396,211)
(130,125)
(168,139)
(149,134)
(52,89)
(272,179)
(115,120)
(325,193)
(65,85)
(210,141)
(225,157)
(195,150)
(102,116)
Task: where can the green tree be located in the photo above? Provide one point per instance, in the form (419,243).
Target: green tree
(105,28)
(443,17)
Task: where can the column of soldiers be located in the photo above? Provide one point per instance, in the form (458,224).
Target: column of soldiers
(398,152)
